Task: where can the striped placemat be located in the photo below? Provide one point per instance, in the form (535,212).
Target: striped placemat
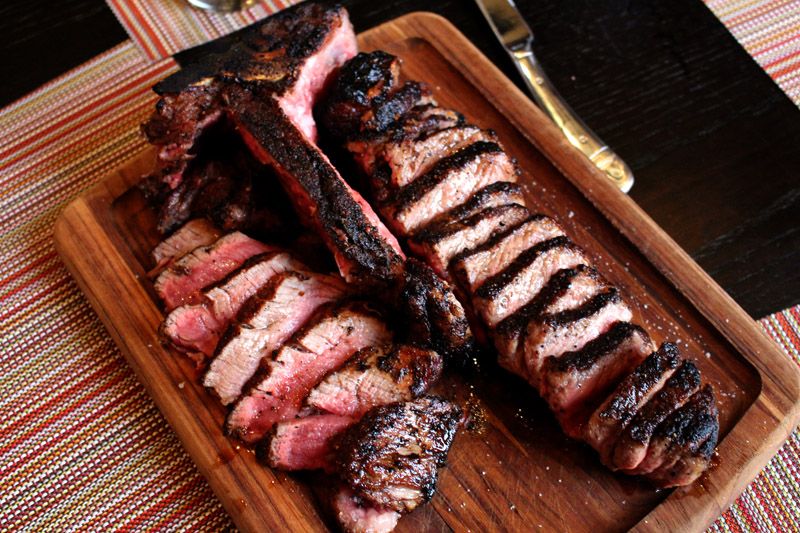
(162,28)
(82,446)
(770,31)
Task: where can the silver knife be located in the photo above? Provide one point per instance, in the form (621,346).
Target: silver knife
(517,38)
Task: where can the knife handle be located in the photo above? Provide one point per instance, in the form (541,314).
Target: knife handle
(578,133)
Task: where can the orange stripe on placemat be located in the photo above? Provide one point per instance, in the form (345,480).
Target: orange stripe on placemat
(163,28)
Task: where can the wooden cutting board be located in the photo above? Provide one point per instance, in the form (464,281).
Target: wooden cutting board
(520,472)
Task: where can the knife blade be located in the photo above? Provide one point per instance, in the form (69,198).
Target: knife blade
(517,38)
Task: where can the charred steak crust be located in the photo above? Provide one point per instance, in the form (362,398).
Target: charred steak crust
(391,457)
(494,194)
(587,356)
(339,216)
(436,232)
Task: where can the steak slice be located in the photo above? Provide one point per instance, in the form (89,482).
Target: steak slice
(449,183)
(362,246)
(412,157)
(377,376)
(575,383)
(196,328)
(631,447)
(682,434)
(441,242)
(505,292)
(571,330)
(193,234)
(303,443)
(494,195)
(282,383)
(694,460)
(392,456)
(180,284)
(278,310)
(357,516)
(568,288)
(473,267)
(432,314)
(633,392)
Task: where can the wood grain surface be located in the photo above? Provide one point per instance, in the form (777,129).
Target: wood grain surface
(520,471)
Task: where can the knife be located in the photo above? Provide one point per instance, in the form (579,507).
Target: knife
(517,38)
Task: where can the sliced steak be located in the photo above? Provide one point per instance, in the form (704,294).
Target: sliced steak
(682,434)
(280,386)
(392,456)
(473,267)
(181,283)
(440,243)
(575,383)
(694,460)
(631,447)
(196,328)
(362,246)
(411,158)
(194,234)
(303,443)
(278,310)
(508,290)
(567,289)
(613,415)
(357,516)
(570,330)
(377,376)
(432,314)
(449,183)
(494,195)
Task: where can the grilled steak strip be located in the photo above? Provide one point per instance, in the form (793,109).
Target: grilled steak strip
(303,443)
(194,234)
(576,382)
(198,327)
(279,309)
(682,436)
(444,241)
(374,376)
(635,390)
(377,376)
(631,447)
(282,383)
(392,456)
(181,283)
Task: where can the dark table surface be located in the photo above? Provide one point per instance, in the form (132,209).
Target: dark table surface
(713,142)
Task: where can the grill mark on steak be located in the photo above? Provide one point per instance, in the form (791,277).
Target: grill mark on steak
(683,433)
(566,289)
(570,330)
(450,182)
(493,195)
(181,282)
(505,292)
(621,406)
(266,320)
(377,376)
(194,234)
(282,383)
(574,383)
(392,456)
(197,327)
(303,443)
(440,243)
(631,447)
(412,157)
(473,267)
